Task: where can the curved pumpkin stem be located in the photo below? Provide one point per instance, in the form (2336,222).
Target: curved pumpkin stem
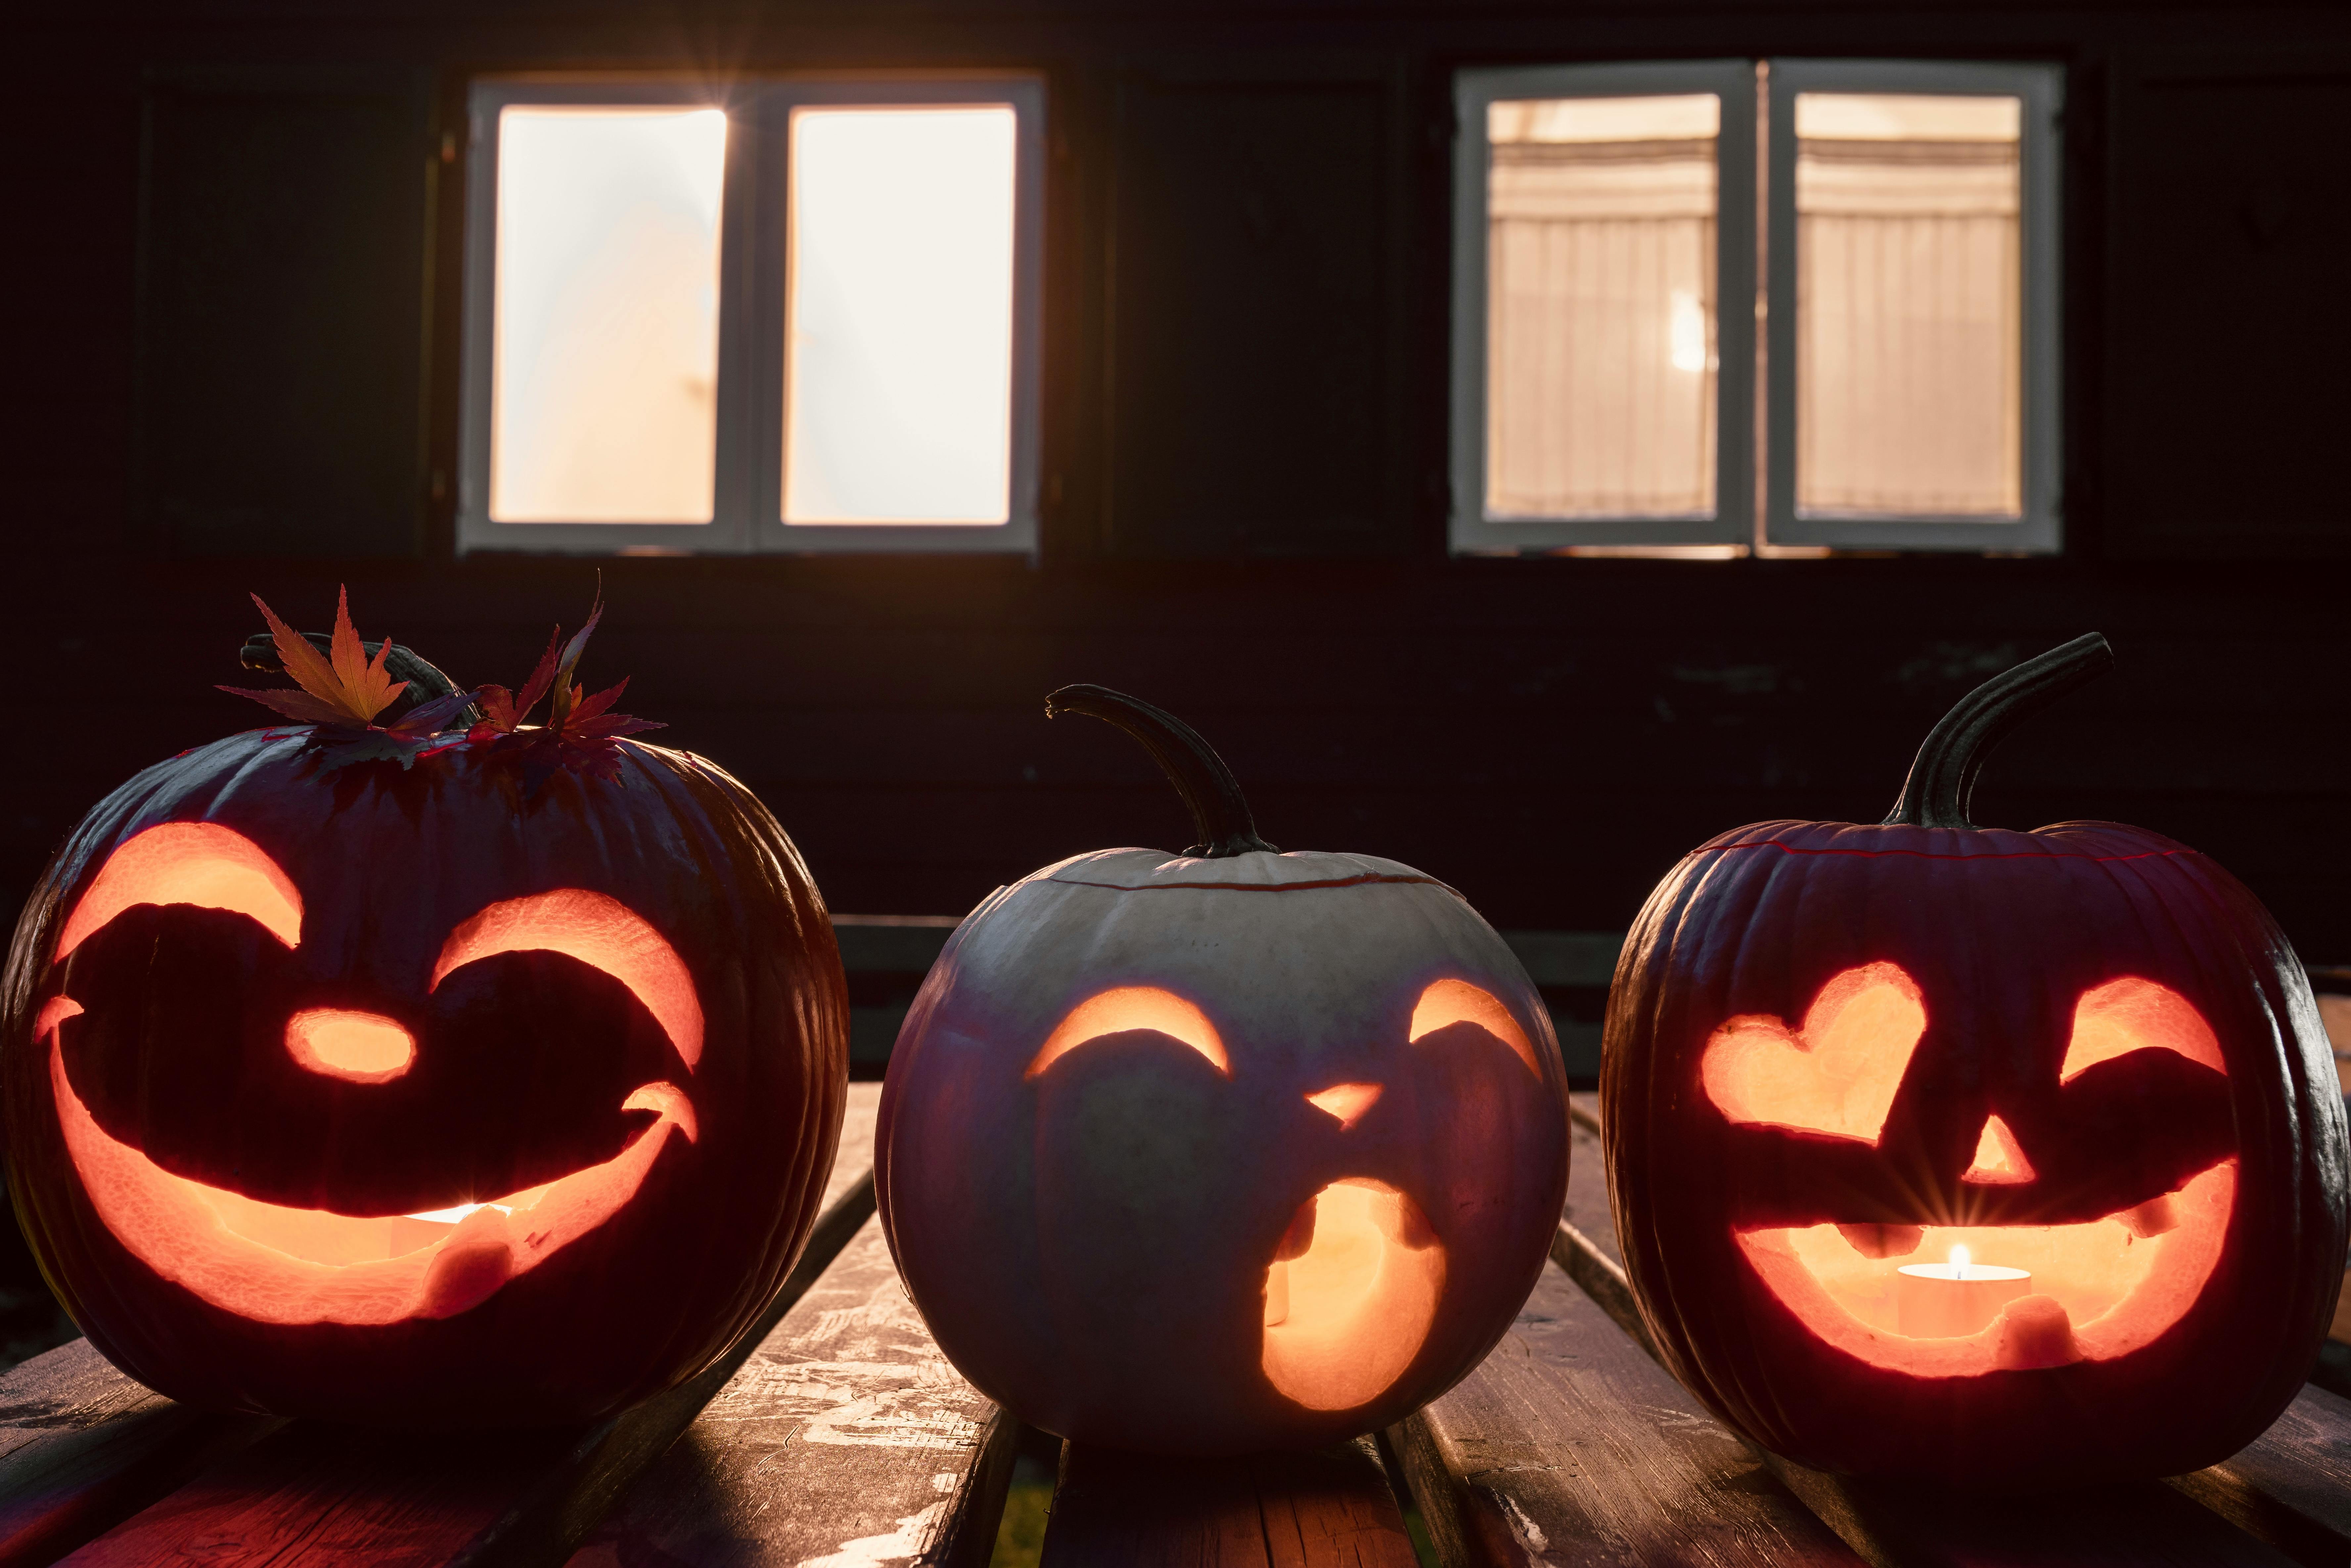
(1943,777)
(1220,813)
(426,681)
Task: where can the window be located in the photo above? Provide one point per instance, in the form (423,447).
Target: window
(1610,391)
(795,315)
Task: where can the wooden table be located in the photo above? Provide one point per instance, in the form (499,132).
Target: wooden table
(836,1437)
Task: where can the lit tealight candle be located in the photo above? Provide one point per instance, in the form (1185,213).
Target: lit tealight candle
(1950,1300)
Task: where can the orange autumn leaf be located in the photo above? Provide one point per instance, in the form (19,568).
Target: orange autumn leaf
(340,687)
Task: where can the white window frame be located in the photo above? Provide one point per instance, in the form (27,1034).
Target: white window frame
(746,501)
(2038,530)
(1733,522)
(1740,524)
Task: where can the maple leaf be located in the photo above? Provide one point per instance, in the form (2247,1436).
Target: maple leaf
(340,688)
(340,692)
(581,734)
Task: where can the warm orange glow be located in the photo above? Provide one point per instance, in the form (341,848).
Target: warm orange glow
(1949,1300)
(1132,1007)
(1458,1001)
(1999,1160)
(362,1048)
(200,863)
(1345,1317)
(2101,1289)
(1837,1076)
(280,1265)
(594,929)
(1347,1102)
(53,1015)
(2126,1015)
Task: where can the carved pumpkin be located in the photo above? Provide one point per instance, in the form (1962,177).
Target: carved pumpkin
(2000,1159)
(1220,1151)
(408,1095)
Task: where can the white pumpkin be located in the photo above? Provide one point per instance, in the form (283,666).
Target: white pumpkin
(1221,1151)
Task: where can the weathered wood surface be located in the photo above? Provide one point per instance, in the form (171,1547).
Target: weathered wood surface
(1330,1509)
(312,1494)
(94,1457)
(2292,1486)
(2287,1488)
(845,1440)
(1570,1445)
(1587,1179)
(82,1446)
(2145,1524)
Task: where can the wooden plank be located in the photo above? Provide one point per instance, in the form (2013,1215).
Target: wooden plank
(2144,1524)
(1321,1510)
(1587,1179)
(845,1440)
(2292,1487)
(83,1448)
(307,1492)
(1570,1445)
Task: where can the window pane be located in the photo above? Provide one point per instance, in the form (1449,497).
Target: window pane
(1909,358)
(1600,307)
(900,318)
(605,362)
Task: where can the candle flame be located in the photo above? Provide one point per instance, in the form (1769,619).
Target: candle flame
(1959,1263)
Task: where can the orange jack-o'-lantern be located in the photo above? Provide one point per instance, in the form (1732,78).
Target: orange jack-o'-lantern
(1220,1151)
(409,1094)
(1998,1159)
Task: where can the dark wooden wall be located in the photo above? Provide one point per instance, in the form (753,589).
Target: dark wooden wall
(231,282)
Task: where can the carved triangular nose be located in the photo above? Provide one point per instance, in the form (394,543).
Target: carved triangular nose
(1347,1102)
(1999,1160)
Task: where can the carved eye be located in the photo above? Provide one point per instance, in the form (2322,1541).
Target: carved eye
(597,930)
(2131,1014)
(1133,1007)
(1449,1002)
(1838,1074)
(199,864)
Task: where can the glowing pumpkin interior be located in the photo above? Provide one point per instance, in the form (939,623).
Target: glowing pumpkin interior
(1353,1288)
(274,1263)
(1345,1316)
(2096,1289)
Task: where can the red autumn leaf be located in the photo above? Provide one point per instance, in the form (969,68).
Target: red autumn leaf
(579,734)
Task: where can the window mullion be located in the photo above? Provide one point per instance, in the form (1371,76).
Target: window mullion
(734,504)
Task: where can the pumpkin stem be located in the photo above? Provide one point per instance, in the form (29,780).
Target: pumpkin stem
(1943,777)
(1220,813)
(426,681)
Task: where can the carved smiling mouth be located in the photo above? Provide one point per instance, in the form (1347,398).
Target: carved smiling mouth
(274,1264)
(2098,1290)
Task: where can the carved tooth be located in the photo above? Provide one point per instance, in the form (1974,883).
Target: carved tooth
(1299,1240)
(1883,1240)
(2035,1332)
(2153,1217)
(1277,1294)
(474,1263)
